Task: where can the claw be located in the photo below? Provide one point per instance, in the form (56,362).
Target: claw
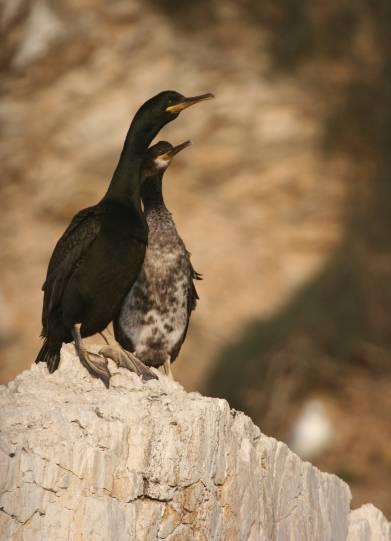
(125,359)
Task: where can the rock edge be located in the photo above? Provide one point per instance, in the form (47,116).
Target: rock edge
(148,461)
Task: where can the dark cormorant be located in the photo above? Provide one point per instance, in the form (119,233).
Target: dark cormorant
(154,316)
(99,256)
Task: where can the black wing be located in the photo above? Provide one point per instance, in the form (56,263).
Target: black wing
(80,233)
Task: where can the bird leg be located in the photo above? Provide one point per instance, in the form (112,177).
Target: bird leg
(97,368)
(104,338)
(167,368)
(125,359)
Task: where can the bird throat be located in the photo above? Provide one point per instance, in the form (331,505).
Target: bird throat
(125,185)
(152,193)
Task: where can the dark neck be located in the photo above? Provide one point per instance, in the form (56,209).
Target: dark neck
(126,182)
(142,130)
(152,193)
(125,186)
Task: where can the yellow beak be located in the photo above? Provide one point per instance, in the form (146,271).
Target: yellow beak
(168,156)
(188,102)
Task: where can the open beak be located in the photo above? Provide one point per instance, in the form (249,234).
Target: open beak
(188,102)
(171,153)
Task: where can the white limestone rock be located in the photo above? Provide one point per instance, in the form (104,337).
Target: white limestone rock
(368,524)
(148,461)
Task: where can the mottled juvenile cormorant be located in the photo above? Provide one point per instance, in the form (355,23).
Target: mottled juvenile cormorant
(154,316)
(98,258)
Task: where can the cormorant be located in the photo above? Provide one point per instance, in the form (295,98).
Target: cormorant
(154,316)
(99,256)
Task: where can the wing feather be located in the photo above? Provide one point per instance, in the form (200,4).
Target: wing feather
(66,255)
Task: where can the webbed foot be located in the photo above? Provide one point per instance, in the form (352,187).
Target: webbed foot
(125,359)
(97,367)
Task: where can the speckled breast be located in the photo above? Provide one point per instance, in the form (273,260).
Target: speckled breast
(154,315)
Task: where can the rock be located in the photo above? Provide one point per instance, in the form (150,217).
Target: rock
(147,461)
(368,524)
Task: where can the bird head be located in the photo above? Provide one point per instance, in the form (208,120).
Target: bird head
(159,110)
(156,113)
(159,156)
(170,103)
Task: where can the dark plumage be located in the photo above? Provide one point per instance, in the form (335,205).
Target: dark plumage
(98,258)
(155,314)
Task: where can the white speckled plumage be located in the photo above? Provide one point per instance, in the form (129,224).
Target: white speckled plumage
(154,317)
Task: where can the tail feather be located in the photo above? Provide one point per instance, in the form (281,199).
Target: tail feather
(49,354)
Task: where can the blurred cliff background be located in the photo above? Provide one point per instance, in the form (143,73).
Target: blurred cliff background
(284,199)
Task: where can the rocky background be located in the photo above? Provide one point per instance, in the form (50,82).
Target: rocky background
(283,200)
